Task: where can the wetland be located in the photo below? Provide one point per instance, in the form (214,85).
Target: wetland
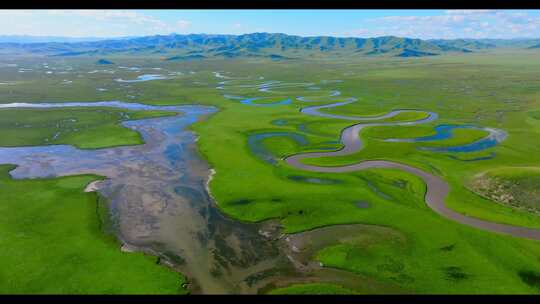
(241,178)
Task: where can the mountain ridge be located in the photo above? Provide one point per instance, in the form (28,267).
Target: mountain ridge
(271,45)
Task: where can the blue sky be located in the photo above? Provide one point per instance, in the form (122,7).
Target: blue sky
(423,24)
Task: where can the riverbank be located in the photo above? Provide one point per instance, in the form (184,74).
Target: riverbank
(81,259)
(454,258)
(256,190)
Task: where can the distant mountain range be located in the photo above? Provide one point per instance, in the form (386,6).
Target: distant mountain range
(269,45)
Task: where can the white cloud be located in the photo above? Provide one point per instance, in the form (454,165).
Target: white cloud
(470,12)
(104,23)
(183,24)
(107,23)
(364,33)
(454,24)
(111,16)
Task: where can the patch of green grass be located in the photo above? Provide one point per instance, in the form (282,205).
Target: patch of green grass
(535,114)
(86,128)
(377,261)
(386,132)
(313,289)
(514,186)
(270,99)
(406,116)
(531,278)
(279,145)
(459,136)
(54,242)
(331,127)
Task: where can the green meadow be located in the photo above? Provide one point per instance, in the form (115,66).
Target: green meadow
(313,288)
(83,128)
(434,255)
(56,240)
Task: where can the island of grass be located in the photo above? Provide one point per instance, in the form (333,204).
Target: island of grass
(85,128)
(55,241)
(458,137)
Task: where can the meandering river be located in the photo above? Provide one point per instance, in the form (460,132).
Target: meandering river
(158,198)
(437,188)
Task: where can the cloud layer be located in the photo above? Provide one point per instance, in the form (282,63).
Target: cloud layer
(416,24)
(454,24)
(104,23)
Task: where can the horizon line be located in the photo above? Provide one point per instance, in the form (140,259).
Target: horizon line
(250,33)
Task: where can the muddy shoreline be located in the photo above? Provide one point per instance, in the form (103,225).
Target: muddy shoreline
(160,204)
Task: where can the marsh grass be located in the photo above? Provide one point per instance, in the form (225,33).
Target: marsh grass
(56,241)
(90,128)
(493,89)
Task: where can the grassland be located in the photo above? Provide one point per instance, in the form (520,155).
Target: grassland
(518,187)
(313,289)
(89,128)
(461,136)
(432,259)
(56,241)
(438,256)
